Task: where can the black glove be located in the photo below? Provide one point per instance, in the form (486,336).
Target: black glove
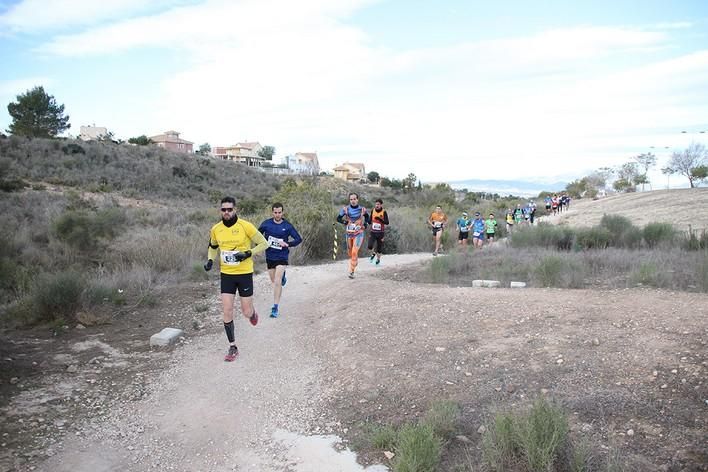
(242,256)
(208,265)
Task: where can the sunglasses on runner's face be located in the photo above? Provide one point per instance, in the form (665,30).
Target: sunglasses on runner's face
(224,210)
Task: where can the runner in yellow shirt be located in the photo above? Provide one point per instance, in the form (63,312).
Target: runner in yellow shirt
(234,238)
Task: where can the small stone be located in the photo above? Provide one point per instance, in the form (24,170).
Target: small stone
(468,374)
(72,369)
(559,361)
(482,429)
(462,438)
(595,342)
(14,380)
(630,432)
(664,386)
(510,388)
(439,349)
(674,371)
(389,455)
(655,373)
(80,326)
(586,428)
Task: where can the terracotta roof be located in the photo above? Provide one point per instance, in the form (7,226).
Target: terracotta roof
(168,137)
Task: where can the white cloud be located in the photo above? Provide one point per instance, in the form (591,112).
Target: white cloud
(298,76)
(17,86)
(35,16)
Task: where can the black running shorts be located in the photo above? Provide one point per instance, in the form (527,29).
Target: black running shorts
(241,282)
(272,264)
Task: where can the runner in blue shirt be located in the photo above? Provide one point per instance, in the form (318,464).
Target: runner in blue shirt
(478,231)
(281,236)
(463,226)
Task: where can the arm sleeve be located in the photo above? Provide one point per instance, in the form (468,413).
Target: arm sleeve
(213,246)
(257,238)
(340,217)
(367,217)
(297,239)
(385,217)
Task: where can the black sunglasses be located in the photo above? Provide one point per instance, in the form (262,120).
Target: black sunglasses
(227,209)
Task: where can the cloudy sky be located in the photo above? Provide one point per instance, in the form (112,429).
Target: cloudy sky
(449,90)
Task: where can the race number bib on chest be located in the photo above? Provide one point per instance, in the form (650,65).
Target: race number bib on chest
(437,224)
(229,258)
(352,228)
(274,243)
(376,226)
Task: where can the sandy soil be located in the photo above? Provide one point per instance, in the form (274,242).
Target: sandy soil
(347,353)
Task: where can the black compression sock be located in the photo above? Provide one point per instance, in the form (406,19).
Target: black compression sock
(229,328)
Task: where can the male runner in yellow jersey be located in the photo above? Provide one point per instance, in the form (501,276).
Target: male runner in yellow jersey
(233,237)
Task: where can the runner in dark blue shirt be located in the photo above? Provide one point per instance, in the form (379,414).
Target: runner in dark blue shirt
(281,235)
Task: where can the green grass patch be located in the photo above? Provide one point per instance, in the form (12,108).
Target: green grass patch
(443,417)
(418,449)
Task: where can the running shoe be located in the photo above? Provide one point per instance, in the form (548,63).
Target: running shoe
(378,261)
(371,259)
(284,280)
(273,312)
(232,354)
(351,275)
(254,318)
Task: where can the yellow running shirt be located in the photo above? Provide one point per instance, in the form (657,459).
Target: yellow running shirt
(237,238)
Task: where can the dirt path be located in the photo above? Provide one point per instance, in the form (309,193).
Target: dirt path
(203,414)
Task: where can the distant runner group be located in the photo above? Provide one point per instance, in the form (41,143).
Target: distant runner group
(236,241)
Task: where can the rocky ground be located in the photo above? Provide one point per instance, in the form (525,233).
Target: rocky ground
(628,365)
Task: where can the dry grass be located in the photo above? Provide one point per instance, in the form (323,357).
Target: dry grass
(680,208)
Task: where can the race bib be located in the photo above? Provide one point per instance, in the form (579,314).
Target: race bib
(352,228)
(465,229)
(376,226)
(437,224)
(229,258)
(274,243)
(475,234)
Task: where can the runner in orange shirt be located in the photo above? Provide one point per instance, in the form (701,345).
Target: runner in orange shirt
(437,222)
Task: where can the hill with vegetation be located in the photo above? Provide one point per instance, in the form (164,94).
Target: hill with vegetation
(679,207)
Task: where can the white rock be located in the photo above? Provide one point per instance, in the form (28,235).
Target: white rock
(166,337)
(482,429)
(389,455)
(517,285)
(439,349)
(630,432)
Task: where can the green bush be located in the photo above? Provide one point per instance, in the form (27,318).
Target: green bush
(384,438)
(84,230)
(500,444)
(549,271)
(440,269)
(631,238)
(57,296)
(543,235)
(694,241)
(542,435)
(617,224)
(596,237)
(536,439)
(658,233)
(443,417)
(418,449)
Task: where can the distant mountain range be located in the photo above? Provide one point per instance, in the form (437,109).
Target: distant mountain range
(523,188)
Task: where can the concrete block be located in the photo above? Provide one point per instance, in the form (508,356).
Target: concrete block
(517,284)
(166,337)
(486,283)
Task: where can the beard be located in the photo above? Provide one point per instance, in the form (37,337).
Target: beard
(228,222)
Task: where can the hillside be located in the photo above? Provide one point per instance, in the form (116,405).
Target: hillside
(680,207)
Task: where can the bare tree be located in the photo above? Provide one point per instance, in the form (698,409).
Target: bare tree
(684,162)
(646,161)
